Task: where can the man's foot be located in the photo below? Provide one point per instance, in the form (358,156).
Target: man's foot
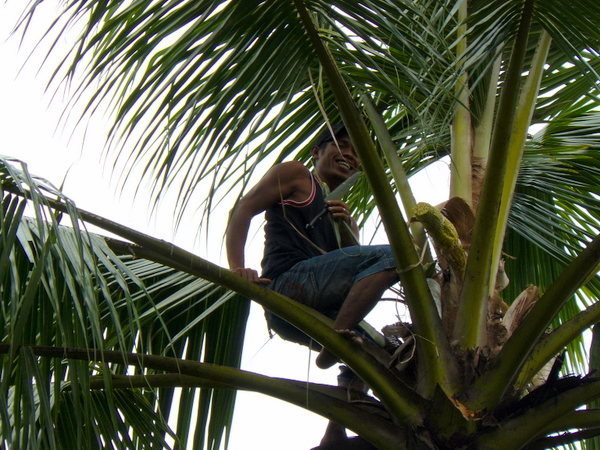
(349,380)
(326,359)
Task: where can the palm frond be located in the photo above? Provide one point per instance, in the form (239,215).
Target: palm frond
(204,94)
(64,287)
(556,210)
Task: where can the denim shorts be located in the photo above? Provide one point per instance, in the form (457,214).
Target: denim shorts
(323,282)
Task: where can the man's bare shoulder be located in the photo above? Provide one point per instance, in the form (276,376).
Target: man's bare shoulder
(290,173)
(292,169)
(292,178)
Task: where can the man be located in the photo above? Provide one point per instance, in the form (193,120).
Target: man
(306,259)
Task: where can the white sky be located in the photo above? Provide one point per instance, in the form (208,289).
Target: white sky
(28,126)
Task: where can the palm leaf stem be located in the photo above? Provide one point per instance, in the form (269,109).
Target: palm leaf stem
(167,380)
(472,308)
(518,431)
(398,398)
(485,393)
(566,439)
(483,130)
(461,136)
(398,172)
(581,418)
(439,365)
(380,432)
(551,344)
(518,136)
(402,402)
(181,380)
(324,392)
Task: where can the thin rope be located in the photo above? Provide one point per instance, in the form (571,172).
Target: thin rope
(417,264)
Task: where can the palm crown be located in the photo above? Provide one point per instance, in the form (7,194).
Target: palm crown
(205,90)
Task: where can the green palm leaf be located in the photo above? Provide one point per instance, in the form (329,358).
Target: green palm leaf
(205,94)
(65,288)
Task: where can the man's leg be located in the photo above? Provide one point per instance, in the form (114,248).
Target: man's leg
(361,299)
(346,282)
(334,433)
(349,381)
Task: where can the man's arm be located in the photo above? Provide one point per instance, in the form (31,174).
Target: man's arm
(237,233)
(281,182)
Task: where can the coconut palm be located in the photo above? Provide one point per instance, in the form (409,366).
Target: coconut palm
(98,332)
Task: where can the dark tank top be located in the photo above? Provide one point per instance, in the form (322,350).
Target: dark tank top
(287,238)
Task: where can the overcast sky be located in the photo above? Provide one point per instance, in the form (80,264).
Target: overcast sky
(29,118)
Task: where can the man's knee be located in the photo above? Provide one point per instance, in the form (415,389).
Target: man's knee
(389,276)
(384,278)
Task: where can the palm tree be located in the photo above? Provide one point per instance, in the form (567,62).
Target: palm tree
(98,332)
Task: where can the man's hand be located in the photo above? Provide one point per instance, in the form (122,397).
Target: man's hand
(339,210)
(250,275)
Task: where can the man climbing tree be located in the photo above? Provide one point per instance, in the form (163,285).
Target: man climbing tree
(311,257)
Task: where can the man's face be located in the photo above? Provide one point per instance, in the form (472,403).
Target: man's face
(335,163)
